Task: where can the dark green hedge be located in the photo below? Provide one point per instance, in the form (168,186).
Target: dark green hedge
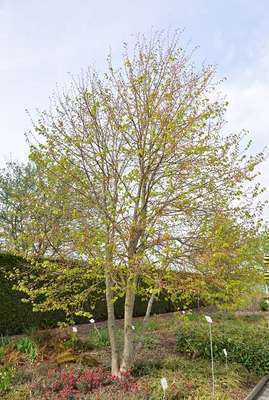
(16,316)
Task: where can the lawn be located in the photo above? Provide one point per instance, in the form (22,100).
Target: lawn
(67,365)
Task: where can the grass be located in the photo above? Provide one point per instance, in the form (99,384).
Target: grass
(35,363)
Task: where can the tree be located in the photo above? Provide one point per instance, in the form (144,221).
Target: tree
(31,222)
(143,155)
(230,258)
(16,184)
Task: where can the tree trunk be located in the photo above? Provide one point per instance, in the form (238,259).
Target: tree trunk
(128,348)
(149,308)
(111,323)
(145,320)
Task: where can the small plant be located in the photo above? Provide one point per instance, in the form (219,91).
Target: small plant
(6,376)
(67,384)
(27,347)
(152,325)
(75,343)
(264,305)
(150,341)
(142,368)
(99,338)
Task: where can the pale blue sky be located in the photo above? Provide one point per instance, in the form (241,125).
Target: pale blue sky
(42,40)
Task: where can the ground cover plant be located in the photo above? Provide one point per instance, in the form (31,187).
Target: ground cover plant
(74,364)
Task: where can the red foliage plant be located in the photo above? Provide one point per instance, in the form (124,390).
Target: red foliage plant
(69,384)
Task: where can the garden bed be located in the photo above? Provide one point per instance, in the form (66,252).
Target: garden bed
(63,365)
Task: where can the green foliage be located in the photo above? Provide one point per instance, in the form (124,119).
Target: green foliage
(99,337)
(17,182)
(15,315)
(264,305)
(6,376)
(244,343)
(152,325)
(28,347)
(77,344)
(150,341)
(191,379)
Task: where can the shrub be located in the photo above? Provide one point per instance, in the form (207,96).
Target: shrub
(264,305)
(244,343)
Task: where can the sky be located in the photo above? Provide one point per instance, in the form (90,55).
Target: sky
(42,42)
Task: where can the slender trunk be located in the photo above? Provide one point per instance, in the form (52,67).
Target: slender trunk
(149,308)
(111,323)
(128,348)
(145,320)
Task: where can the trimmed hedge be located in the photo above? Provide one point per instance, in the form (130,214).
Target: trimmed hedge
(16,316)
(245,344)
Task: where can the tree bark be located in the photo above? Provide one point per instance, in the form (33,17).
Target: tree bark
(145,320)
(128,348)
(149,308)
(111,323)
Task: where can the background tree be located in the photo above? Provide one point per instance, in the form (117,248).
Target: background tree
(16,185)
(31,222)
(143,155)
(228,261)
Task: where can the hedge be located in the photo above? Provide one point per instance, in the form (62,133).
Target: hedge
(245,344)
(16,316)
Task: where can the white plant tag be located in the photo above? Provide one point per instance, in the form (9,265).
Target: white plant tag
(225,352)
(164,384)
(208,319)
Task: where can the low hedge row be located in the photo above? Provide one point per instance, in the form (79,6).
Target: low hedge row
(245,344)
(16,316)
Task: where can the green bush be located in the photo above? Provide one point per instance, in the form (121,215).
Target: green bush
(264,305)
(244,343)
